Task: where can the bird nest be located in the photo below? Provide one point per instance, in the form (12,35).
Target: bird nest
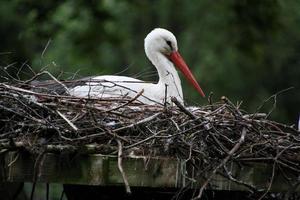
(211,135)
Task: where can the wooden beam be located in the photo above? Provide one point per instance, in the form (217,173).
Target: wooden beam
(92,169)
(141,171)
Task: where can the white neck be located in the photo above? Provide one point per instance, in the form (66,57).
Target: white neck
(167,74)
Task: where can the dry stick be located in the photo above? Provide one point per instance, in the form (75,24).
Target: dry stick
(8,145)
(210,98)
(228,102)
(273,171)
(112,133)
(125,104)
(60,148)
(122,86)
(45,121)
(176,125)
(32,190)
(84,137)
(52,148)
(8,74)
(166,92)
(60,83)
(120,154)
(10,87)
(224,161)
(274,96)
(51,76)
(182,108)
(293,186)
(142,141)
(47,191)
(21,69)
(14,160)
(54,96)
(42,55)
(87,106)
(255,115)
(143,121)
(271,181)
(224,149)
(216,111)
(18,191)
(38,164)
(62,195)
(21,115)
(230,177)
(67,120)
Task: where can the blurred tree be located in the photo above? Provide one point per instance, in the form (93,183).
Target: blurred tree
(244,49)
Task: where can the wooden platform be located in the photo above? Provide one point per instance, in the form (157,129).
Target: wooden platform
(141,171)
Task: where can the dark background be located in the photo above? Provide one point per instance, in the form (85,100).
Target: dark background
(246,50)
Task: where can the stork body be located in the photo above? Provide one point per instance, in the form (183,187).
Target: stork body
(161,49)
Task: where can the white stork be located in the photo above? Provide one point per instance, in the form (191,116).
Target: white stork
(161,49)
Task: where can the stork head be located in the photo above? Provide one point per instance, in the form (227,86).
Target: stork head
(163,41)
(160,40)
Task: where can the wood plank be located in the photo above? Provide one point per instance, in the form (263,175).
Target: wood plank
(97,169)
(93,169)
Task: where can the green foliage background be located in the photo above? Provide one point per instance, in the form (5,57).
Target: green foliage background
(246,50)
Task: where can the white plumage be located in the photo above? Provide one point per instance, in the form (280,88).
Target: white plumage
(161,49)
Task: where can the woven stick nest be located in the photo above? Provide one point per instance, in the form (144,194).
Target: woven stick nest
(212,135)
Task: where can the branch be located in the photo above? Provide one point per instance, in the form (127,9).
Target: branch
(182,108)
(224,161)
(67,120)
(120,154)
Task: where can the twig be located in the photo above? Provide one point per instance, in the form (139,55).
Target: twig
(271,182)
(52,77)
(210,98)
(67,120)
(274,96)
(32,190)
(228,175)
(47,191)
(142,141)
(224,161)
(42,55)
(62,195)
(273,171)
(166,92)
(182,108)
(13,161)
(143,121)
(127,103)
(120,154)
(18,191)
(231,105)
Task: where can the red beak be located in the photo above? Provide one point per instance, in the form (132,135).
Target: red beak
(176,58)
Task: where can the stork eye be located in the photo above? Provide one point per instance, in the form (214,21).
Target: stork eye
(169,43)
